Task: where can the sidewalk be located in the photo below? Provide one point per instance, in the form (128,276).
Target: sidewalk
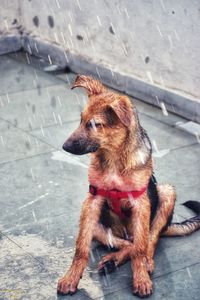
(42,189)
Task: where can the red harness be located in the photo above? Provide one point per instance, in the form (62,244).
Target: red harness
(115,196)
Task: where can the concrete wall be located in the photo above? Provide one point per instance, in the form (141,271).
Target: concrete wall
(156,41)
(148,48)
(10,39)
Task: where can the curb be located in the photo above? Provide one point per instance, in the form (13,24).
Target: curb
(10,43)
(172,101)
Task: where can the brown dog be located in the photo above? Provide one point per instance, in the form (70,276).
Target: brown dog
(124,208)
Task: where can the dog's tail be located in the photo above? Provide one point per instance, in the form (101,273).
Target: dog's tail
(188,226)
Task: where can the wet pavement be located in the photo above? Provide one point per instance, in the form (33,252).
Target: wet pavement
(42,189)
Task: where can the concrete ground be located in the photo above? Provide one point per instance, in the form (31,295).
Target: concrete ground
(42,189)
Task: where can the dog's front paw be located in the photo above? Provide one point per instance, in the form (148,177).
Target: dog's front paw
(142,287)
(67,285)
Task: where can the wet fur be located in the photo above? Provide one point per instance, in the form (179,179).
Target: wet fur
(121,158)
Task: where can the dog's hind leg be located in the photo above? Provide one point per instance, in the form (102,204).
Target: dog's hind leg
(109,262)
(167,197)
(106,237)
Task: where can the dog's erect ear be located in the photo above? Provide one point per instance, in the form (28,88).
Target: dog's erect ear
(92,86)
(123,109)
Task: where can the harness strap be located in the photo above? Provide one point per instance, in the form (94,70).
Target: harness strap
(115,196)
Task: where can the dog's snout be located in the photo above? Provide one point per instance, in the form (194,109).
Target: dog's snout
(66,146)
(80,147)
(79,143)
(74,147)
(71,146)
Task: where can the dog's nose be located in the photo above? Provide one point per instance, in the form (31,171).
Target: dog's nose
(67,146)
(80,146)
(73,147)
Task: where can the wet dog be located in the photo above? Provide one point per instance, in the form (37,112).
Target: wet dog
(125,208)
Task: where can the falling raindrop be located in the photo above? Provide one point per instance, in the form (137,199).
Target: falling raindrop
(93,125)
(70,29)
(56,37)
(63,38)
(60,120)
(99,21)
(67,78)
(157,100)
(36,48)
(67,59)
(34,216)
(176,35)
(58,4)
(42,131)
(124,48)
(149,75)
(59,101)
(110,238)
(29,49)
(92,256)
(70,16)
(78,4)
(32,174)
(125,233)
(2,141)
(197,137)
(155,146)
(30,123)
(158,28)
(170,41)
(164,110)
(126,12)
(142,156)
(35,73)
(131,199)
(189,274)
(28,59)
(55,120)
(185,283)
(118,8)
(162,4)
(49,58)
(97,70)
(112,73)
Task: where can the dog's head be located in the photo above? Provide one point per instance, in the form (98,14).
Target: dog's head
(105,122)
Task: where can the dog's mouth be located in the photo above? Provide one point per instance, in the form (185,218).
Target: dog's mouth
(80,147)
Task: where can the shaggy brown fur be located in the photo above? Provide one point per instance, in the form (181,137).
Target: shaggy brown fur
(120,160)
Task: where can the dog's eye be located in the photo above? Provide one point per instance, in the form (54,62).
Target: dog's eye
(93,124)
(97,125)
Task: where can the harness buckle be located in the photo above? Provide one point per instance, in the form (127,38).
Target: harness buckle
(92,190)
